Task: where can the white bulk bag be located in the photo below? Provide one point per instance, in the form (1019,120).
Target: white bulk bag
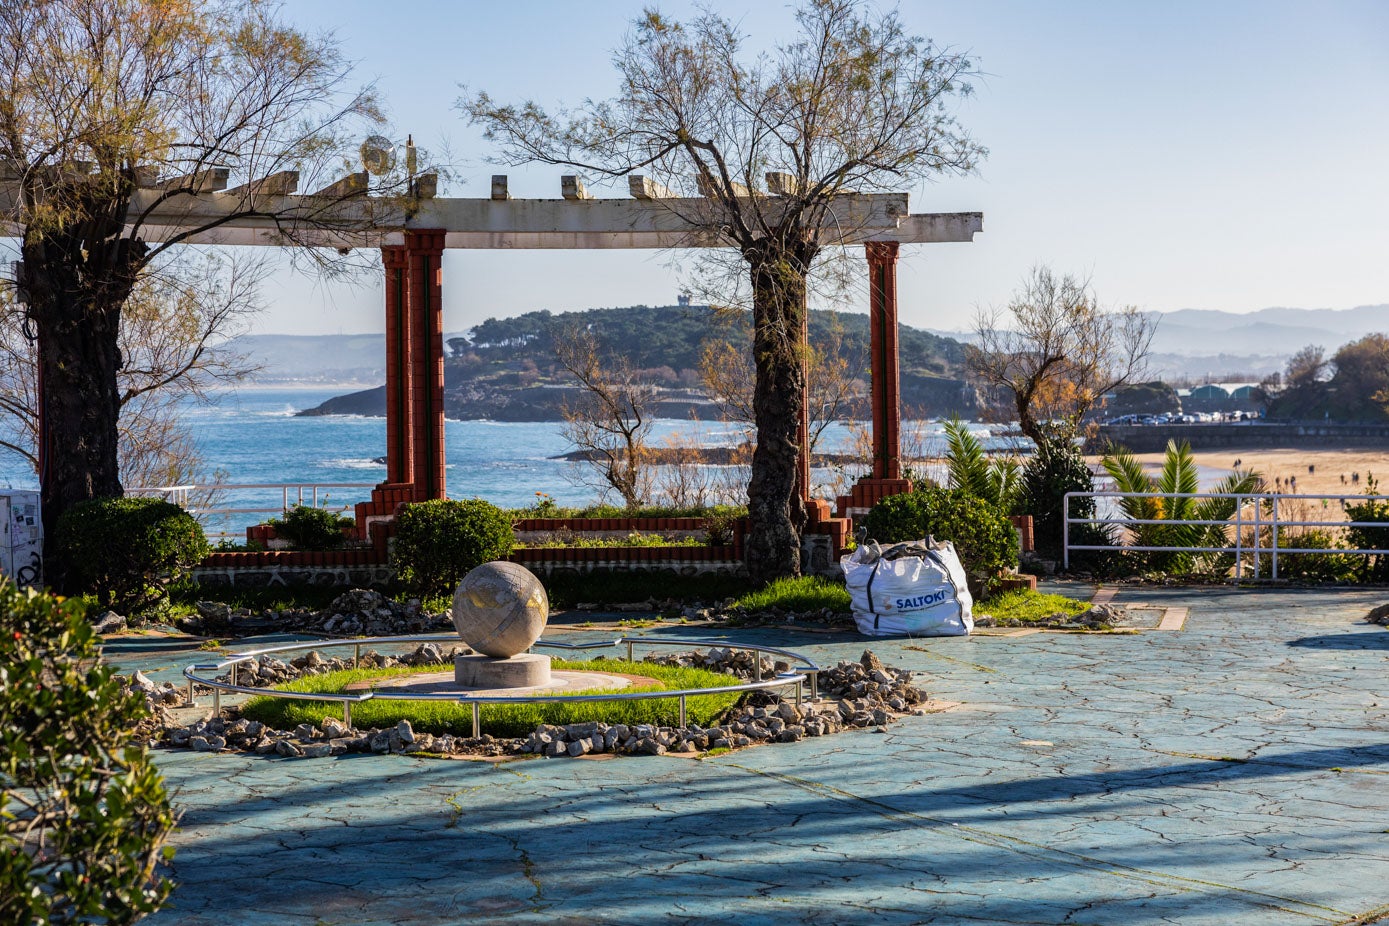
(916,588)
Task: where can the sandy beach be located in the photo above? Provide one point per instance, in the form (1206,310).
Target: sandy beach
(1327,472)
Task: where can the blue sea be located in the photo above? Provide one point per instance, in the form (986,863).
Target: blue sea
(252,435)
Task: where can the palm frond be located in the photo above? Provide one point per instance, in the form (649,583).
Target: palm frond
(968,465)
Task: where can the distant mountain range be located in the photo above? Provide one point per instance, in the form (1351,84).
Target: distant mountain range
(1254,343)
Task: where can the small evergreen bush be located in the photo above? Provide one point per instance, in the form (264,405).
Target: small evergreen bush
(1314,567)
(983,536)
(308,528)
(74,776)
(1055,469)
(1375,567)
(438,542)
(128,551)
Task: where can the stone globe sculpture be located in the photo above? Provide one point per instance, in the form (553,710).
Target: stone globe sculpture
(499,610)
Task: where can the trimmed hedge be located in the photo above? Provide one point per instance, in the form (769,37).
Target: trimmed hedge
(128,551)
(438,542)
(982,534)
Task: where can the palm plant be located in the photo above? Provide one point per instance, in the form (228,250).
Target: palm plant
(1179,476)
(995,480)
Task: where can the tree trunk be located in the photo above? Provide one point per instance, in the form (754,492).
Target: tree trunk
(78,357)
(775,510)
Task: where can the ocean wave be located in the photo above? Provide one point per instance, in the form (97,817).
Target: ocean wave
(354,463)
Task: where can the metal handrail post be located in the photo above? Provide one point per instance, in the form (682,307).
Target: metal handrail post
(1258,540)
(1273,508)
(1239,541)
(1066,531)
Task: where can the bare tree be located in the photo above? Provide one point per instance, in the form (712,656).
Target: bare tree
(115,110)
(1054,351)
(611,420)
(174,342)
(852,103)
(833,378)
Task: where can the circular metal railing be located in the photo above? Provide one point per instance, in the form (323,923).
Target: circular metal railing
(799,676)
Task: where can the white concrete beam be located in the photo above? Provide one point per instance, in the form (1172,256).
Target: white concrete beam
(571,186)
(208,180)
(427,185)
(369,221)
(708,187)
(780,183)
(351,185)
(499,187)
(934,228)
(280,183)
(645,188)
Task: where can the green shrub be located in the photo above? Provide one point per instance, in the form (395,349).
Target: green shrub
(308,528)
(438,542)
(1376,567)
(1055,469)
(74,777)
(983,536)
(1314,567)
(128,551)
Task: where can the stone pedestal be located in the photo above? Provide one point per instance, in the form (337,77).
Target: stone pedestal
(525,670)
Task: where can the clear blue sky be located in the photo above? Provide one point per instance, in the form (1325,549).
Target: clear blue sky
(1230,155)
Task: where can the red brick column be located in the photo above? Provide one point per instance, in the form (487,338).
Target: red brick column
(424,301)
(882,324)
(399,452)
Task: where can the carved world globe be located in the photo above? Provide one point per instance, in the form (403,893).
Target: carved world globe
(500,609)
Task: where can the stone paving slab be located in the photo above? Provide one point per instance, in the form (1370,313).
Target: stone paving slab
(1233,771)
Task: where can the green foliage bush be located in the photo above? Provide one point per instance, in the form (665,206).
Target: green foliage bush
(310,528)
(983,536)
(74,777)
(1055,469)
(438,542)
(1375,568)
(128,551)
(1314,567)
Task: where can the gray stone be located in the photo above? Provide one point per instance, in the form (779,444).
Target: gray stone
(109,622)
(317,750)
(527,670)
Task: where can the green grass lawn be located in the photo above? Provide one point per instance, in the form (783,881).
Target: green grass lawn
(806,593)
(1028,607)
(500,719)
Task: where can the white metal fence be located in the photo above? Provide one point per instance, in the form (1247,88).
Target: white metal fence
(223,508)
(1259,528)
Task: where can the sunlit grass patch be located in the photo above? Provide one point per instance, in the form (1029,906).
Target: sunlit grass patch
(500,719)
(805,593)
(1029,607)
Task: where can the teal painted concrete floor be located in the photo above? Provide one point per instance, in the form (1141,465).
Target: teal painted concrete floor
(1233,771)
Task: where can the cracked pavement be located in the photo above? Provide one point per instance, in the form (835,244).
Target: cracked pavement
(1233,771)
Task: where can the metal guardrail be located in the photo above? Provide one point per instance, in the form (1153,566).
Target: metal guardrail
(1263,519)
(805,673)
(291,493)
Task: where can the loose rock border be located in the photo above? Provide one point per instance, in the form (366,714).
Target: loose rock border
(854,695)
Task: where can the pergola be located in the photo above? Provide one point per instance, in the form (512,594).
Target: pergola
(412,234)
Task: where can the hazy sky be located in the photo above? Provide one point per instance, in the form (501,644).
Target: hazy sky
(1219,155)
